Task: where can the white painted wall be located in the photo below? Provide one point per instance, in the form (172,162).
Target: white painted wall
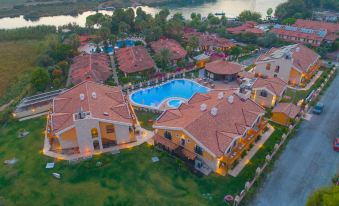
(122,134)
(284,72)
(85,139)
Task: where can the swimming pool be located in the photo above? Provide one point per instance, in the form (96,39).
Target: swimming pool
(125,43)
(178,89)
(174,103)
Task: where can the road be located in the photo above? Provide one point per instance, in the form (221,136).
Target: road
(308,161)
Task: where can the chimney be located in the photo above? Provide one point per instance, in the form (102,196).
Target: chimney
(82,96)
(230,99)
(203,107)
(220,95)
(214,111)
(94,95)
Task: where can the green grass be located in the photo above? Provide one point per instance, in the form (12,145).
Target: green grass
(17,58)
(128,178)
(144,118)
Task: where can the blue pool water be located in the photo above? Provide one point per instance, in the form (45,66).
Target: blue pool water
(179,88)
(174,103)
(127,43)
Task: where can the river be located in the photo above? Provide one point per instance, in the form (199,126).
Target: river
(231,8)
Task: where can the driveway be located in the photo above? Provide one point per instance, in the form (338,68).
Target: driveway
(308,161)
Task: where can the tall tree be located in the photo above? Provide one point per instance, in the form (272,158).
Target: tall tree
(248,15)
(40,79)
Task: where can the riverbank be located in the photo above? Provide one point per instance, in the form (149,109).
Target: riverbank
(33,10)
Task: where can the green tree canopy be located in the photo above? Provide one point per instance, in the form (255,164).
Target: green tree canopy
(40,79)
(248,15)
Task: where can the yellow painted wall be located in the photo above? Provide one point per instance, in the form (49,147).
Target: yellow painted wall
(294,77)
(189,145)
(280,118)
(70,135)
(104,134)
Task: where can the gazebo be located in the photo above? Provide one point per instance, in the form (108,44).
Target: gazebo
(222,70)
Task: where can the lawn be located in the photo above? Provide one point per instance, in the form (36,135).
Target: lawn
(145,117)
(128,178)
(16,58)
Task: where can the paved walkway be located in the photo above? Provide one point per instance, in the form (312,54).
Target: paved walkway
(308,161)
(115,73)
(252,152)
(308,86)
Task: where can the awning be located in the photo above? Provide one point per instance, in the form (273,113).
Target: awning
(165,142)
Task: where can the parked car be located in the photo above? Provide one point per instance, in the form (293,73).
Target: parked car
(318,108)
(336,144)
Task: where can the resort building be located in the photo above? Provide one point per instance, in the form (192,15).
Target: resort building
(93,67)
(222,70)
(209,42)
(89,118)
(174,48)
(134,59)
(307,32)
(268,91)
(247,27)
(211,130)
(285,113)
(201,60)
(294,64)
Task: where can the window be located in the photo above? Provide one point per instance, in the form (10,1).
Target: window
(94,132)
(198,150)
(263,93)
(268,66)
(277,68)
(182,142)
(168,135)
(96,145)
(109,129)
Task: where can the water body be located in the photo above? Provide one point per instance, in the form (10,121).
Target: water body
(230,7)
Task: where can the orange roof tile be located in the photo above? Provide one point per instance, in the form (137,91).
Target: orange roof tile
(177,52)
(275,85)
(90,66)
(214,132)
(134,59)
(109,104)
(291,110)
(303,57)
(223,67)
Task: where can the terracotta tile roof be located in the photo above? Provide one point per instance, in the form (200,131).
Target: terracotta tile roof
(275,85)
(249,27)
(134,59)
(177,52)
(330,27)
(210,40)
(223,67)
(303,57)
(291,110)
(214,132)
(93,67)
(321,30)
(108,104)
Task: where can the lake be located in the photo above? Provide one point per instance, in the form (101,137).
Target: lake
(231,8)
